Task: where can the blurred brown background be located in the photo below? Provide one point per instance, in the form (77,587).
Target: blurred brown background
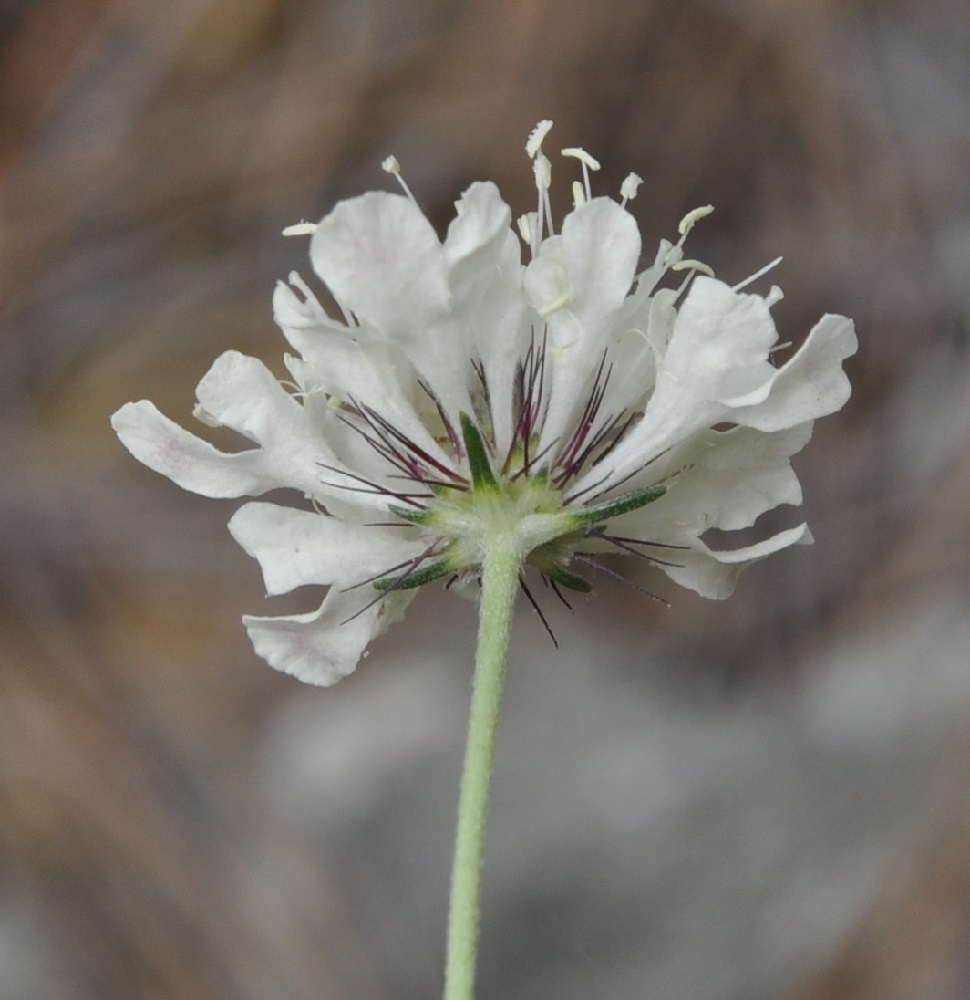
(766,798)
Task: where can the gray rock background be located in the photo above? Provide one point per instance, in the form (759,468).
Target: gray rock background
(766,798)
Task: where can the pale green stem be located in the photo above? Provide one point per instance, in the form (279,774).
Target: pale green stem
(500,581)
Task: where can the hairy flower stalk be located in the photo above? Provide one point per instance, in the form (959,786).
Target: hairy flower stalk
(476,419)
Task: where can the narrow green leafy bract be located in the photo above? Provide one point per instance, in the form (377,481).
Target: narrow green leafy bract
(418,578)
(478,462)
(571,580)
(414,516)
(621,505)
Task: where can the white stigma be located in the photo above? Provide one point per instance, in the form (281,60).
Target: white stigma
(534,143)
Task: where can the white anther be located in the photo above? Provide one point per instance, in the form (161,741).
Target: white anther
(692,265)
(580,154)
(588,164)
(392,167)
(204,416)
(687,222)
(301,229)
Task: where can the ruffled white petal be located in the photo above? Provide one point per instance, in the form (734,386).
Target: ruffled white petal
(722,479)
(491,314)
(476,236)
(578,284)
(812,384)
(714,574)
(187,460)
(241,393)
(600,249)
(382,261)
(717,354)
(325,645)
(296,547)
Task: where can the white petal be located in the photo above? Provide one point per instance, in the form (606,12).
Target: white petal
(546,282)
(477,233)
(579,283)
(716,333)
(380,257)
(297,547)
(241,393)
(715,574)
(187,460)
(492,318)
(371,374)
(811,384)
(325,645)
(301,311)
(600,250)
(729,479)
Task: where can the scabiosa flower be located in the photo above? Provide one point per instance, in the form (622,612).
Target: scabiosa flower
(567,407)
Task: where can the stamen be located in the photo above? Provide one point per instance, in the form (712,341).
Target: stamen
(758,274)
(688,264)
(691,218)
(589,163)
(391,166)
(204,416)
(302,228)
(542,170)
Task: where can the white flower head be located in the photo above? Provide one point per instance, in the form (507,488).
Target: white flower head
(569,404)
